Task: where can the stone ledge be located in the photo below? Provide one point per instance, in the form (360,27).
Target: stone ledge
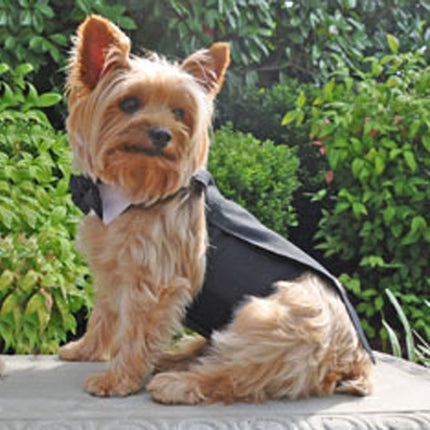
(45,393)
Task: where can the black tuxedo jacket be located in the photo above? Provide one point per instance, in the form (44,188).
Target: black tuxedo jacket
(245,258)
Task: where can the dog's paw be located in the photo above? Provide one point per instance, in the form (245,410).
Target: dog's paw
(73,351)
(175,388)
(77,351)
(109,385)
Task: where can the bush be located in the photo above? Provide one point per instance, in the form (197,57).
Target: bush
(312,37)
(38,31)
(374,126)
(42,278)
(258,175)
(260,111)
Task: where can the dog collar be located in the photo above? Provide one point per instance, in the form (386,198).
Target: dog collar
(108,202)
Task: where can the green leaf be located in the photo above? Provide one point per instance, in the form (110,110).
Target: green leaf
(406,326)
(393,43)
(359,209)
(289,117)
(126,23)
(379,165)
(379,303)
(37,305)
(59,38)
(357,166)
(357,146)
(301,100)
(4,68)
(396,230)
(388,214)
(328,89)
(419,224)
(11,305)
(425,139)
(341,207)
(300,118)
(393,81)
(23,69)
(29,280)
(58,215)
(394,340)
(45,10)
(373,261)
(6,279)
(410,160)
(49,99)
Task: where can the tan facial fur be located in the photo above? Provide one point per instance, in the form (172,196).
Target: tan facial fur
(149,264)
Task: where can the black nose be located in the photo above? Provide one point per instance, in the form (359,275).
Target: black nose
(160,136)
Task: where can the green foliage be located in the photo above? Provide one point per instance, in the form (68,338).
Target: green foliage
(313,37)
(374,126)
(417,348)
(42,278)
(248,25)
(258,175)
(260,111)
(277,40)
(38,31)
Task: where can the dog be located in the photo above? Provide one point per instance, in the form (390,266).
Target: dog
(138,128)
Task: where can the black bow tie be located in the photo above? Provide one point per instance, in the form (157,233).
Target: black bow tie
(86,194)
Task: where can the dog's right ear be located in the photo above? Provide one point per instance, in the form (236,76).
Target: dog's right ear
(99,46)
(208,66)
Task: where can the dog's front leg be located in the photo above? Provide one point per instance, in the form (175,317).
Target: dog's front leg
(96,343)
(148,317)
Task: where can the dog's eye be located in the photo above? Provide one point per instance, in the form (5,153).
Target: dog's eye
(179,114)
(129,104)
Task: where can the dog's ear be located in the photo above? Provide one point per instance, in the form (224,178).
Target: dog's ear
(208,66)
(99,46)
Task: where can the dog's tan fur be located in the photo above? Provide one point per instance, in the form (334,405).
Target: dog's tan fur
(149,264)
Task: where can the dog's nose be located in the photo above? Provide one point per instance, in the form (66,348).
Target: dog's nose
(160,136)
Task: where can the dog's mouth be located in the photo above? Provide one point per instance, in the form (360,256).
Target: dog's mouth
(140,149)
(151,151)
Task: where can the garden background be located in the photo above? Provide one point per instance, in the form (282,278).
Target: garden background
(322,131)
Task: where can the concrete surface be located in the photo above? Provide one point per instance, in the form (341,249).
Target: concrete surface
(44,393)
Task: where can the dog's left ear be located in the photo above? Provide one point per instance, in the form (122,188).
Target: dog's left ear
(208,66)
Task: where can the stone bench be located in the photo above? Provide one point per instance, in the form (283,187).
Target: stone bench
(44,393)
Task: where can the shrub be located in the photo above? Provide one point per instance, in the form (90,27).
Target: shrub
(38,31)
(273,40)
(312,37)
(374,126)
(258,175)
(260,111)
(42,278)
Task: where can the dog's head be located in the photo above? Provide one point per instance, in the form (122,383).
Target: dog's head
(139,123)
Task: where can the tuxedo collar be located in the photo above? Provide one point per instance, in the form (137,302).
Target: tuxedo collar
(109,202)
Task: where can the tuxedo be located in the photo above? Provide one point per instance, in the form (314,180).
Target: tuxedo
(244,257)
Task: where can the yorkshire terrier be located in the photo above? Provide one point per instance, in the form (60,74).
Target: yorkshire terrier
(140,125)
